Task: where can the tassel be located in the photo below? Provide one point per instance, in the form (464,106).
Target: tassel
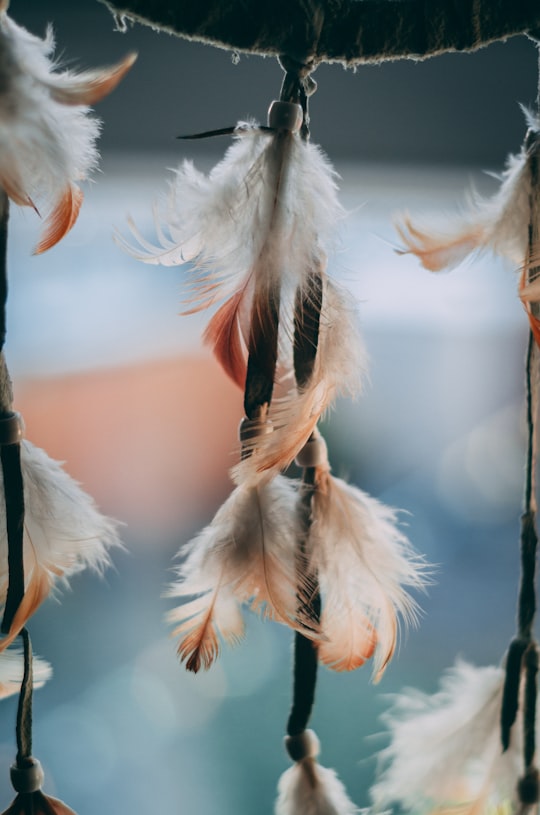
(445,749)
(363,563)
(246,555)
(254,227)
(26,772)
(63,533)
(37,803)
(307,788)
(47,139)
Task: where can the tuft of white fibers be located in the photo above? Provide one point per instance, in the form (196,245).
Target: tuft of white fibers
(312,791)
(253,229)
(12,670)
(445,749)
(47,138)
(248,554)
(64,532)
(306,788)
(499,223)
(365,565)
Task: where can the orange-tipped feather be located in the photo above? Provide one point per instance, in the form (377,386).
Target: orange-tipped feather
(35,593)
(206,622)
(364,566)
(91,86)
(200,647)
(61,219)
(224,335)
(362,641)
(437,250)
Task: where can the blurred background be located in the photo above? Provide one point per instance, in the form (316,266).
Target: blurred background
(114,383)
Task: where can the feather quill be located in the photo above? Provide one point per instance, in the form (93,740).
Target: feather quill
(364,564)
(445,750)
(63,533)
(248,228)
(246,555)
(47,139)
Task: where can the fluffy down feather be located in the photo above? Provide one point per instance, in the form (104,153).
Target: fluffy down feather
(255,223)
(47,139)
(309,789)
(12,669)
(63,532)
(364,565)
(499,223)
(445,749)
(246,555)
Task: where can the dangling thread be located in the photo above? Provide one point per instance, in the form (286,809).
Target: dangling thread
(297,86)
(10,452)
(523,653)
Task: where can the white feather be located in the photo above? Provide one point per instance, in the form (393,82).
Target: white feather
(223,221)
(257,223)
(309,789)
(340,364)
(246,555)
(499,223)
(12,670)
(446,750)
(364,565)
(63,530)
(47,139)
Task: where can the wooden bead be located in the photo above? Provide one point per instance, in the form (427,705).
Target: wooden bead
(285,116)
(11,428)
(27,779)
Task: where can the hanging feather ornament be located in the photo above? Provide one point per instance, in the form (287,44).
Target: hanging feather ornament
(26,773)
(49,528)
(364,565)
(500,224)
(445,749)
(472,746)
(246,555)
(255,231)
(47,139)
(63,533)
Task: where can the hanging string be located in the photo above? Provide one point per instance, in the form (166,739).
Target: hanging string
(4,217)
(305,652)
(297,87)
(24,710)
(10,456)
(522,659)
(264,328)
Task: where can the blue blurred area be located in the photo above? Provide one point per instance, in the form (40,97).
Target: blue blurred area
(438,432)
